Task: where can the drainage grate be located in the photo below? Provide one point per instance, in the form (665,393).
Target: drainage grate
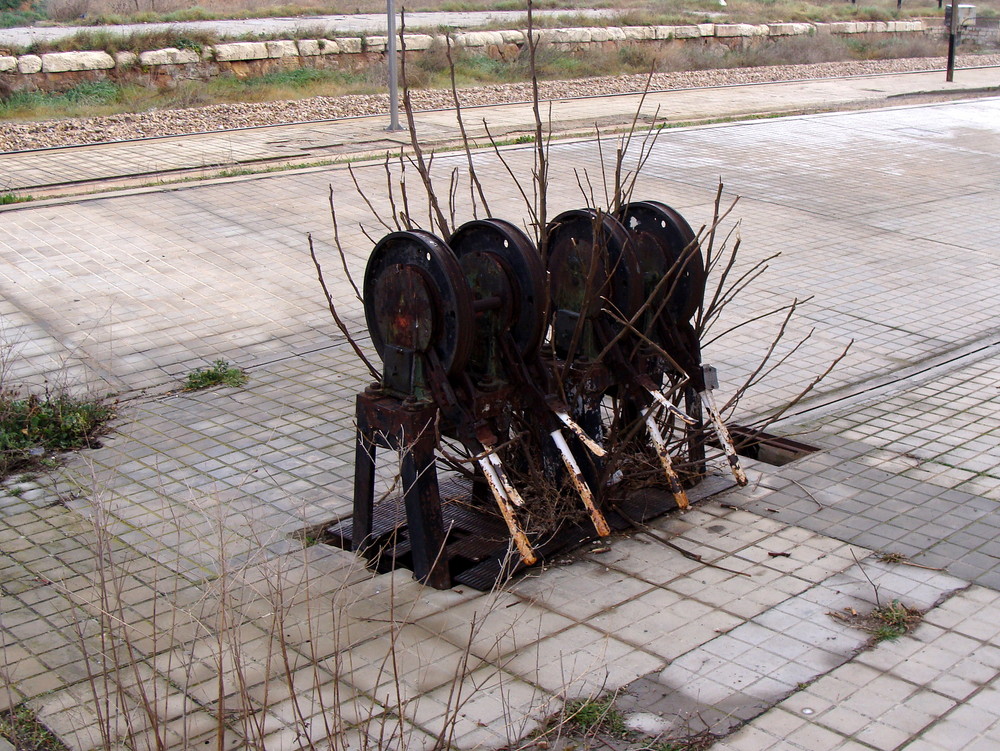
(769,449)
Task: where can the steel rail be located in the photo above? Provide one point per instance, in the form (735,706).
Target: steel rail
(499,104)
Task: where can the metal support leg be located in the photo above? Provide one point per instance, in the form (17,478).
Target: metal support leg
(364,491)
(576,476)
(696,432)
(423,513)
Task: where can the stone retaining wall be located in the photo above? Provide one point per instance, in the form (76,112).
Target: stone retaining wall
(985,32)
(61,70)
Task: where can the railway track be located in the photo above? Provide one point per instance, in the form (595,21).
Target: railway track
(136,157)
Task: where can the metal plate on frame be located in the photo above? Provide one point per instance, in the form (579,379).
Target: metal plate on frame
(416,297)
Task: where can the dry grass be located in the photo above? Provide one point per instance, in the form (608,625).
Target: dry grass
(106,98)
(99,39)
(635,12)
(163,662)
(884,623)
(430,71)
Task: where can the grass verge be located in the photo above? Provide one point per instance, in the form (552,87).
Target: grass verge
(9,198)
(96,98)
(430,70)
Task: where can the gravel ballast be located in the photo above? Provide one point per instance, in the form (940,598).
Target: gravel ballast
(20,136)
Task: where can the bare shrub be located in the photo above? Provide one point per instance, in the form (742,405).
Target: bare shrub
(685,56)
(377,75)
(800,50)
(66,10)
(638,57)
(435,58)
(909,45)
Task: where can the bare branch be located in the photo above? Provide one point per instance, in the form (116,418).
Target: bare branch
(756,318)
(364,197)
(333,311)
(529,205)
(812,384)
(405,214)
(391,192)
(340,248)
(473,175)
(767,356)
(423,167)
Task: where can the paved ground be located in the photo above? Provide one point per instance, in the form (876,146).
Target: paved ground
(165,557)
(352,23)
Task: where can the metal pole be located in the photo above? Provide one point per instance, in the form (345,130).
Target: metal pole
(393,68)
(952,40)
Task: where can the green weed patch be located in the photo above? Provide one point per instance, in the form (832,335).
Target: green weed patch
(33,427)
(220,373)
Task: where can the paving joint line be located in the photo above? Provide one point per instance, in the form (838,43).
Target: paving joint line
(897,380)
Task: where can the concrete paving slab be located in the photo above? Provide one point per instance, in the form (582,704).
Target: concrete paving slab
(188,510)
(904,487)
(858,707)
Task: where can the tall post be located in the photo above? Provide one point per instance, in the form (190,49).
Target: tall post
(393,68)
(952,41)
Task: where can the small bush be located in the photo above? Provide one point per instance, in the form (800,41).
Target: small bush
(637,58)
(32,426)
(197,13)
(67,10)
(435,58)
(889,622)
(479,69)
(874,14)
(11,18)
(592,715)
(8,198)
(221,373)
(295,79)
(92,92)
